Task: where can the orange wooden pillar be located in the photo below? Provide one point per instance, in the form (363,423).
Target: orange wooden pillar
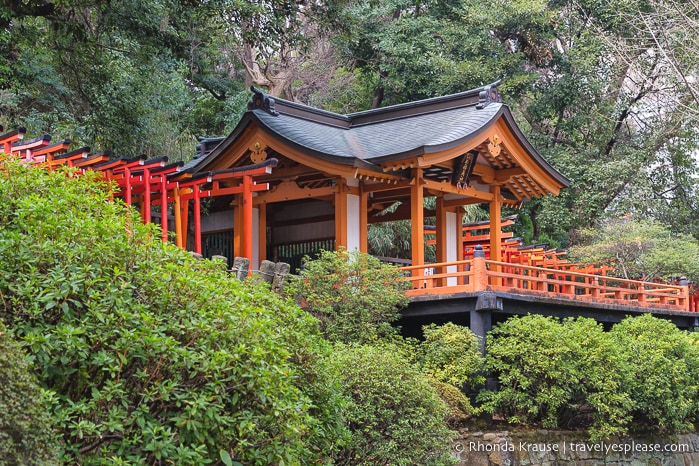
(495,225)
(178,218)
(184,217)
(163,206)
(197,219)
(238,225)
(340,214)
(441,237)
(417,217)
(495,230)
(247,219)
(146,195)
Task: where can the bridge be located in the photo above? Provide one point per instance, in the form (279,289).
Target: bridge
(479,292)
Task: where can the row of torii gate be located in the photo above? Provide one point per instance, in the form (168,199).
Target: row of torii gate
(149,182)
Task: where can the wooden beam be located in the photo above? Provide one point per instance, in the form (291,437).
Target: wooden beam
(290,191)
(446,187)
(380,187)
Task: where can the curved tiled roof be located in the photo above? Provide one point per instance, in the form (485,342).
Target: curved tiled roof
(370,138)
(381,140)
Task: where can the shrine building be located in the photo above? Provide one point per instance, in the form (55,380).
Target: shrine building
(335,174)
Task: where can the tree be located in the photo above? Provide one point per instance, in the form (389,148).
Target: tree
(639,249)
(150,355)
(557,374)
(659,365)
(355,296)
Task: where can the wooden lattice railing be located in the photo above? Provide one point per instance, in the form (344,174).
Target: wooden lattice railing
(480,274)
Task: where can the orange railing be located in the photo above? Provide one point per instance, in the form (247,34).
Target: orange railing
(480,274)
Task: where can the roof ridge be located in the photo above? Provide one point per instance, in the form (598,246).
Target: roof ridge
(480,97)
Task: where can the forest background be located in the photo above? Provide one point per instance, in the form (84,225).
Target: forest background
(606,91)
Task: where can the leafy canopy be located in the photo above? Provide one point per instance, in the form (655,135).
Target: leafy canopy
(639,249)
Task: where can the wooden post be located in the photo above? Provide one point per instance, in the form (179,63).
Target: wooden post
(495,230)
(247,217)
(480,274)
(178,219)
(495,225)
(238,225)
(197,219)
(340,213)
(163,206)
(146,195)
(127,185)
(441,238)
(184,217)
(417,217)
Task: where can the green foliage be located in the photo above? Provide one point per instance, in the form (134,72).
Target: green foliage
(150,355)
(394,415)
(640,376)
(557,374)
(451,354)
(354,295)
(640,249)
(459,408)
(660,365)
(26,432)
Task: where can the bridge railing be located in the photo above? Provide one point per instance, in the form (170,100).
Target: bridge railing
(446,277)
(480,274)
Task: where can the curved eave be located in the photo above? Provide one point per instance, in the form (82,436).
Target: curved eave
(557,176)
(249,118)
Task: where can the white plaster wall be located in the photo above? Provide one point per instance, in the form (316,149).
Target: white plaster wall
(353,222)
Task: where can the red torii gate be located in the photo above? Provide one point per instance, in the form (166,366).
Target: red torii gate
(153,181)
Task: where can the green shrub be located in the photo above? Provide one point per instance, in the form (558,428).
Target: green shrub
(26,434)
(355,296)
(154,357)
(459,408)
(661,369)
(556,373)
(451,353)
(394,415)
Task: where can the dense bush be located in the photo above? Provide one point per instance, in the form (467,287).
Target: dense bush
(451,353)
(355,296)
(558,374)
(26,436)
(152,356)
(660,365)
(640,376)
(394,415)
